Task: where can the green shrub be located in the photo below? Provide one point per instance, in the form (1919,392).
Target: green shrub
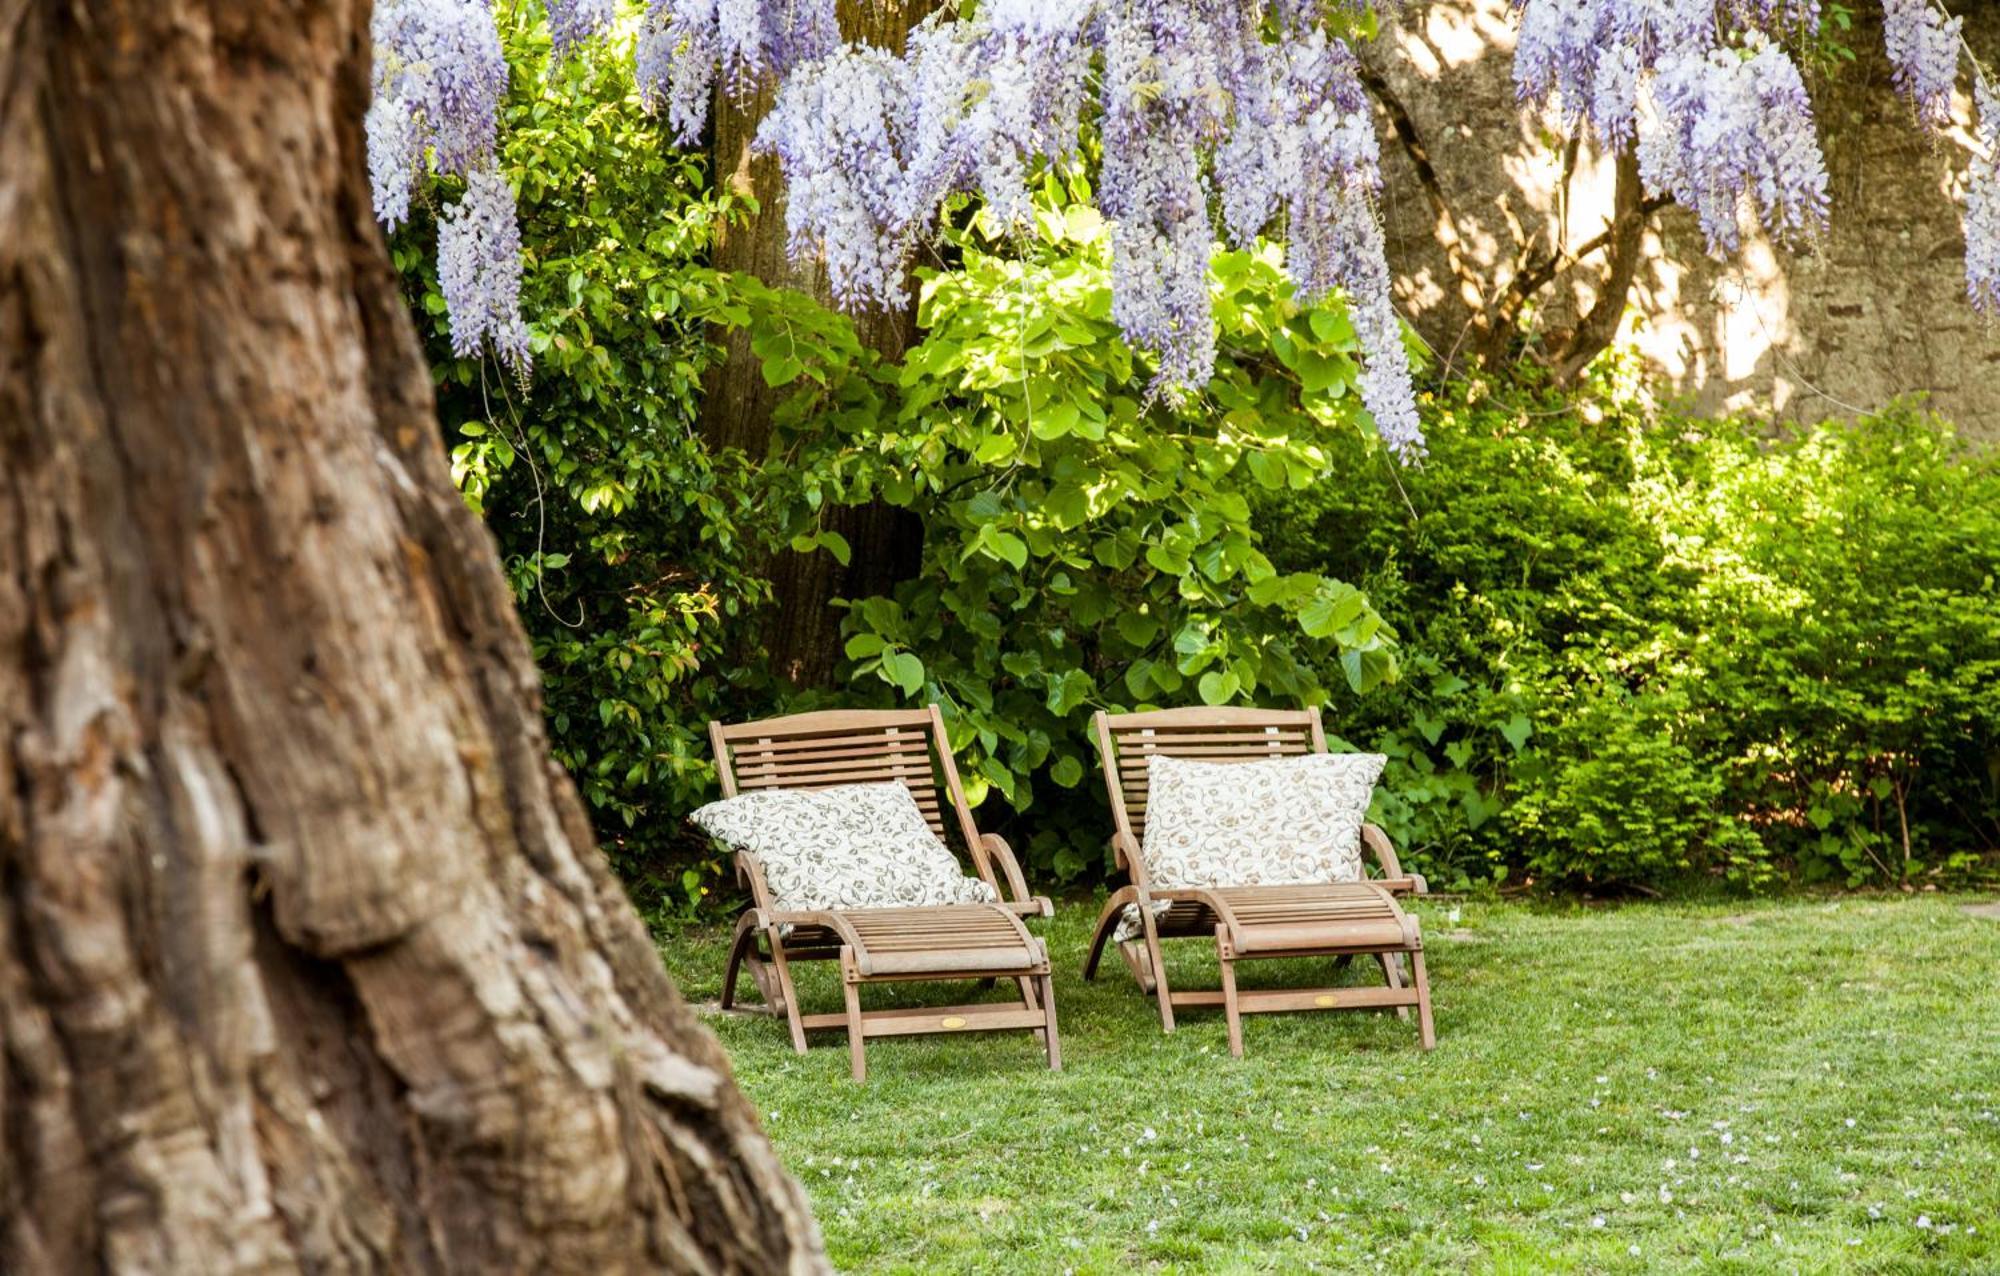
(628,545)
(1086,544)
(1644,649)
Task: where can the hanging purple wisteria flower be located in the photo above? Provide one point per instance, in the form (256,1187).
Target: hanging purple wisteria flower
(1982,204)
(1735,141)
(479,271)
(1922,43)
(572,22)
(685,44)
(439,78)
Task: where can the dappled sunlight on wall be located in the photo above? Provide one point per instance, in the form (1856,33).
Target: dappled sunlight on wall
(1875,309)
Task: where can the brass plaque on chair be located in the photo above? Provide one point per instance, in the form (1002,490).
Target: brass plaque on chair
(1325,999)
(952,1021)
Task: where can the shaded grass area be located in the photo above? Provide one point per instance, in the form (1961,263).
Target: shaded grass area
(1810,1085)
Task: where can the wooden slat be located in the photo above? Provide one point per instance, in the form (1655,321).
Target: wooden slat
(828,722)
(1250,1000)
(909,1020)
(915,746)
(1162,742)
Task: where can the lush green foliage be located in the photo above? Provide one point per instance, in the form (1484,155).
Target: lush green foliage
(1828,1063)
(1086,546)
(1634,648)
(629,547)
(1640,648)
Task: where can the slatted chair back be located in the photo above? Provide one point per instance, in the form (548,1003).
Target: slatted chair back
(853,746)
(1127,743)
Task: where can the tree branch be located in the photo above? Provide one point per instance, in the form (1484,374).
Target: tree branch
(1595,330)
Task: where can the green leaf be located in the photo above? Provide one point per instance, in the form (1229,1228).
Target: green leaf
(1217,686)
(862,646)
(1517,729)
(905,670)
(1067,771)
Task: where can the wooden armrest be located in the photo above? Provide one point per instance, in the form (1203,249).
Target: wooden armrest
(1393,877)
(1010,869)
(1198,895)
(1125,854)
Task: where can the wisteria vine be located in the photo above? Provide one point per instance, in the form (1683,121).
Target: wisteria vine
(439,77)
(1251,108)
(1191,97)
(1717,109)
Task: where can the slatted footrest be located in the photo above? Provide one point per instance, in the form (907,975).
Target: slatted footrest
(955,940)
(1336,917)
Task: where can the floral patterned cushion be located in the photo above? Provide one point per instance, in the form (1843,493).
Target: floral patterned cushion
(1272,822)
(850,846)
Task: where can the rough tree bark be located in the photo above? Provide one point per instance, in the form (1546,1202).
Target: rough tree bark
(802,641)
(306,957)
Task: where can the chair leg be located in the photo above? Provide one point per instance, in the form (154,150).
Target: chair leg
(1230,1009)
(1425,1031)
(1395,978)
(1107,923)
(788,993)
(1134,954)
(1027,985)
(739,947)
(1050,1039)
(1160,989)
(857,1040)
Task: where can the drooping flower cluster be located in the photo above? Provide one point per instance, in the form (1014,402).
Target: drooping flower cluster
(871,144)
(439,77)
(479,269)
(684,44)
(1982,204)
(571,22)
(1922,42)
(1735,134)
(1717,109)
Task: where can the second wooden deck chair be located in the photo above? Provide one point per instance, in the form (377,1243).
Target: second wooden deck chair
(985,942)
(1338,919)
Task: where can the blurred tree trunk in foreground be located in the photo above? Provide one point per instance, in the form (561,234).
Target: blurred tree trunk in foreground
(306,957)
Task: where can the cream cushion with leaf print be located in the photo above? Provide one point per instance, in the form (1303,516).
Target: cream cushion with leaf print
(849,846)
(1272,822)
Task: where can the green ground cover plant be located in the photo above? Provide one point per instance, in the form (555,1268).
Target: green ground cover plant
(1807,1085)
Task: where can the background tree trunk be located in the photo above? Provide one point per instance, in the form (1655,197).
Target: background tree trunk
(802,640)
(306,957)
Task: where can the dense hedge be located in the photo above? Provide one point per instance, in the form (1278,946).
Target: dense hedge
(1645,648)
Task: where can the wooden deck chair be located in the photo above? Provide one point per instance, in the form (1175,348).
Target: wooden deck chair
(1338,919)
(984,942)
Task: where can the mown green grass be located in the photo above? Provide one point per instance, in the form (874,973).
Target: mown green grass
(1808,1086)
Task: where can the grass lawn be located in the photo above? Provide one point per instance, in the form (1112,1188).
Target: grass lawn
(1805,1086)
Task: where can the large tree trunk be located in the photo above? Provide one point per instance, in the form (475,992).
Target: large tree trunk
(306,957)
(802,641)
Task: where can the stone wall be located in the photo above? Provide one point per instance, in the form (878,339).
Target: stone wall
(1874,310)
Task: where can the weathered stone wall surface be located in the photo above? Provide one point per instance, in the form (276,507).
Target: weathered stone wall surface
(1874,310)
